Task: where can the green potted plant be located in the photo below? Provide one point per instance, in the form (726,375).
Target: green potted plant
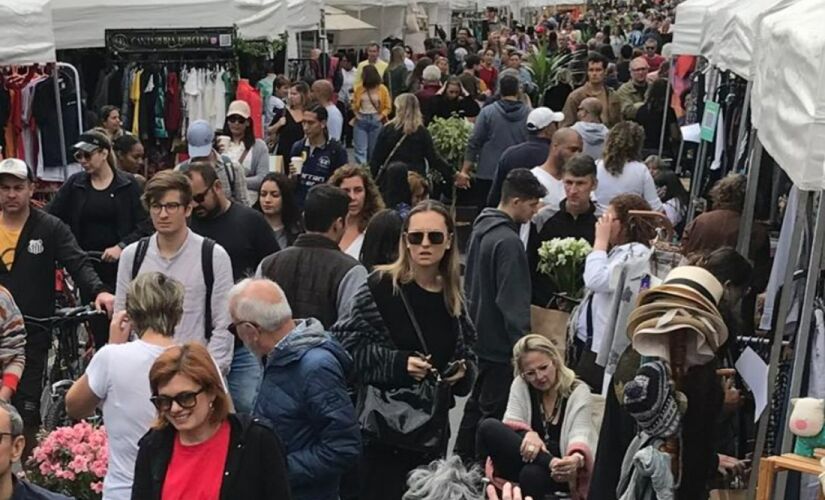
(545,69)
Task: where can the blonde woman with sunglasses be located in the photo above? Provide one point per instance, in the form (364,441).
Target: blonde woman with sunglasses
(416,297)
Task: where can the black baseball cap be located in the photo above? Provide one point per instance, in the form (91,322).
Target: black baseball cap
(92,141)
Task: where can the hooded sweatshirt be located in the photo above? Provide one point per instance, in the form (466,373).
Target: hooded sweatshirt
(594,136)
(499,125)
(497,285)
(304,395)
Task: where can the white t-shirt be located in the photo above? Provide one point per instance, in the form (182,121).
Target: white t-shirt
(354,248)
(549,204)
(335,122)
(634,179)
(119,375)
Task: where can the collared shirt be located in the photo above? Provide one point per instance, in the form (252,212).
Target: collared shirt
(319,164)
(185,266)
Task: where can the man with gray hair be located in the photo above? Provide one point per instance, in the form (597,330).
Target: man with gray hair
(12,443)
(303,392)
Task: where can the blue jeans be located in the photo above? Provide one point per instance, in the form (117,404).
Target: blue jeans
(243,379)
(364,137)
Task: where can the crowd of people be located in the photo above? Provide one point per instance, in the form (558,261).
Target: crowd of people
(304,333)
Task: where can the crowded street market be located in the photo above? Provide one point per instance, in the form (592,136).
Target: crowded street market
(412,250)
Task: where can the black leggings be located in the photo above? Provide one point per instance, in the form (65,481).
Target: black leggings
(502,444)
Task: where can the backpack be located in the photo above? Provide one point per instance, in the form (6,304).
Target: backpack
(226,164)
(207,249)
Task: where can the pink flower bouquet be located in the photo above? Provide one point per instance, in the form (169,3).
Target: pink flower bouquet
(71,460)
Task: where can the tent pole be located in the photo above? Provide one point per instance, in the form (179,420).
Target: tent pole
(664,113)
(698,170)
(60,127)
(746,222)
(804,331)
(743,125)
(780,319)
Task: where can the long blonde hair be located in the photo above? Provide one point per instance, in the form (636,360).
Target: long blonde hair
(565,377)
(401,270)
(407,114)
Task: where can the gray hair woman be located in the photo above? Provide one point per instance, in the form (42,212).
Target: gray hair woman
(444,480)
(117,378)
(547,438)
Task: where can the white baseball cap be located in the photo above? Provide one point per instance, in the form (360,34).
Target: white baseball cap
(16,168)
(541,117)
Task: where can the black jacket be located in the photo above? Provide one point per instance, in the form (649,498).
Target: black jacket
(525,155)
(44,240)
(133,222)
(497,285)
(416,151)
(255,465)
(310,273)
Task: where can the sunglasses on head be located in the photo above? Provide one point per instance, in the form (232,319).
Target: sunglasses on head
(434,237)
(186,400)
(236,119)
(84,155)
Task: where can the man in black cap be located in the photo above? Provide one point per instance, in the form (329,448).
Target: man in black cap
(32,243)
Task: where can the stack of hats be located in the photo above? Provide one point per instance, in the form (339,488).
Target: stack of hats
(651,401)
(687,302)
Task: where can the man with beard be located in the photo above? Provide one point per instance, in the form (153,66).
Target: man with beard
(246,236)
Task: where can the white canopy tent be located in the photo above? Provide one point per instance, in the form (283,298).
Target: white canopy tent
(788,95)
(338,20)
(713,24)
(740,21)
(688,27)
(82,23)
(27,36)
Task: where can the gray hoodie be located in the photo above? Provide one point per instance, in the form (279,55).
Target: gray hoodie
(499,125)
(594,136)
(497,285)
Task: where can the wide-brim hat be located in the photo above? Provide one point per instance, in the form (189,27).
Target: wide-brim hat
(689,282)
(648,337)
(717,330)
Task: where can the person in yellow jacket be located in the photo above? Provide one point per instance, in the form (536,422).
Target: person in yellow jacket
(373,49)
(371,106)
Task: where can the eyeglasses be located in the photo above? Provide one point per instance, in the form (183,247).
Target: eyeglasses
(198,198)
(84,155)
(434,237)
(10,434)
(236,119)
(171,208)
(186,400)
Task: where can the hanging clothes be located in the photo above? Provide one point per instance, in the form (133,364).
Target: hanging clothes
(172,115)
(44,111)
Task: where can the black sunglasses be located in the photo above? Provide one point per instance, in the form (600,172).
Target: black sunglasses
(198,198)
(236,119)
(417,237)
(186,400)
(83,155)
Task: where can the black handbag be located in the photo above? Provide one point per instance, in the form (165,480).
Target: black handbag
(410,418)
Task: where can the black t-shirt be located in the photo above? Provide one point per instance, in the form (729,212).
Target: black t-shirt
(550,433)
(243,233)
(99,215)
(44,110)
(437,326)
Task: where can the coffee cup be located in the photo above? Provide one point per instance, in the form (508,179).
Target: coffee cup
(297,163)
(222,143)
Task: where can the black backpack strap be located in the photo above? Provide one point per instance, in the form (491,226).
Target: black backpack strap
(207,250)
(140,254)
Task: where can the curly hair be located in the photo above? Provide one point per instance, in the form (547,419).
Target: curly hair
(729,193)
(635,228)
(373,203)
(624,144)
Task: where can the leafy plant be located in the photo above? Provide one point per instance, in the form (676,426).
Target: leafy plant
(562,260)
(259,47)
(546,69)
(450,136)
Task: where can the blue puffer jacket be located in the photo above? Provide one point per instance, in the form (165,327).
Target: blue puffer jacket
(304,395)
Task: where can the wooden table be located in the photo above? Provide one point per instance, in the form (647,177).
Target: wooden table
(769,466)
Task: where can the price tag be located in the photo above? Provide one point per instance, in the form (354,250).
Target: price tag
(709,120)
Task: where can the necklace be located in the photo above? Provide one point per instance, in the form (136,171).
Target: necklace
(548,421)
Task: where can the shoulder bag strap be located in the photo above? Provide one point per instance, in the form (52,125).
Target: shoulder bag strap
(414,321)
(389,157)
(207,249)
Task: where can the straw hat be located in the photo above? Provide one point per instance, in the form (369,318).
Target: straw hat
(648,337)
(717,329)
(689,282)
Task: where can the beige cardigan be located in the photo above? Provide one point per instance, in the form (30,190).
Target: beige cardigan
(578,433)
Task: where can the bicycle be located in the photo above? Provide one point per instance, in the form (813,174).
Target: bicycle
(71,350)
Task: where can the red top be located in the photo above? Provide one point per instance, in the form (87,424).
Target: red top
(196,472)
(248,93)
(489,76)
(654,61)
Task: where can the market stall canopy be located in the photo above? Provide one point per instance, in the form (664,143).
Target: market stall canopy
(788,98)
(26,36)
(82,23)
(338,20)
(734,50)
(688,26)
(714,22)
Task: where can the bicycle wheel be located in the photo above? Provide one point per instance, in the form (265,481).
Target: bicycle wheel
(56,415)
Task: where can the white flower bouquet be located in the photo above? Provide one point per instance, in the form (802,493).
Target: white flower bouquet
(562,260)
